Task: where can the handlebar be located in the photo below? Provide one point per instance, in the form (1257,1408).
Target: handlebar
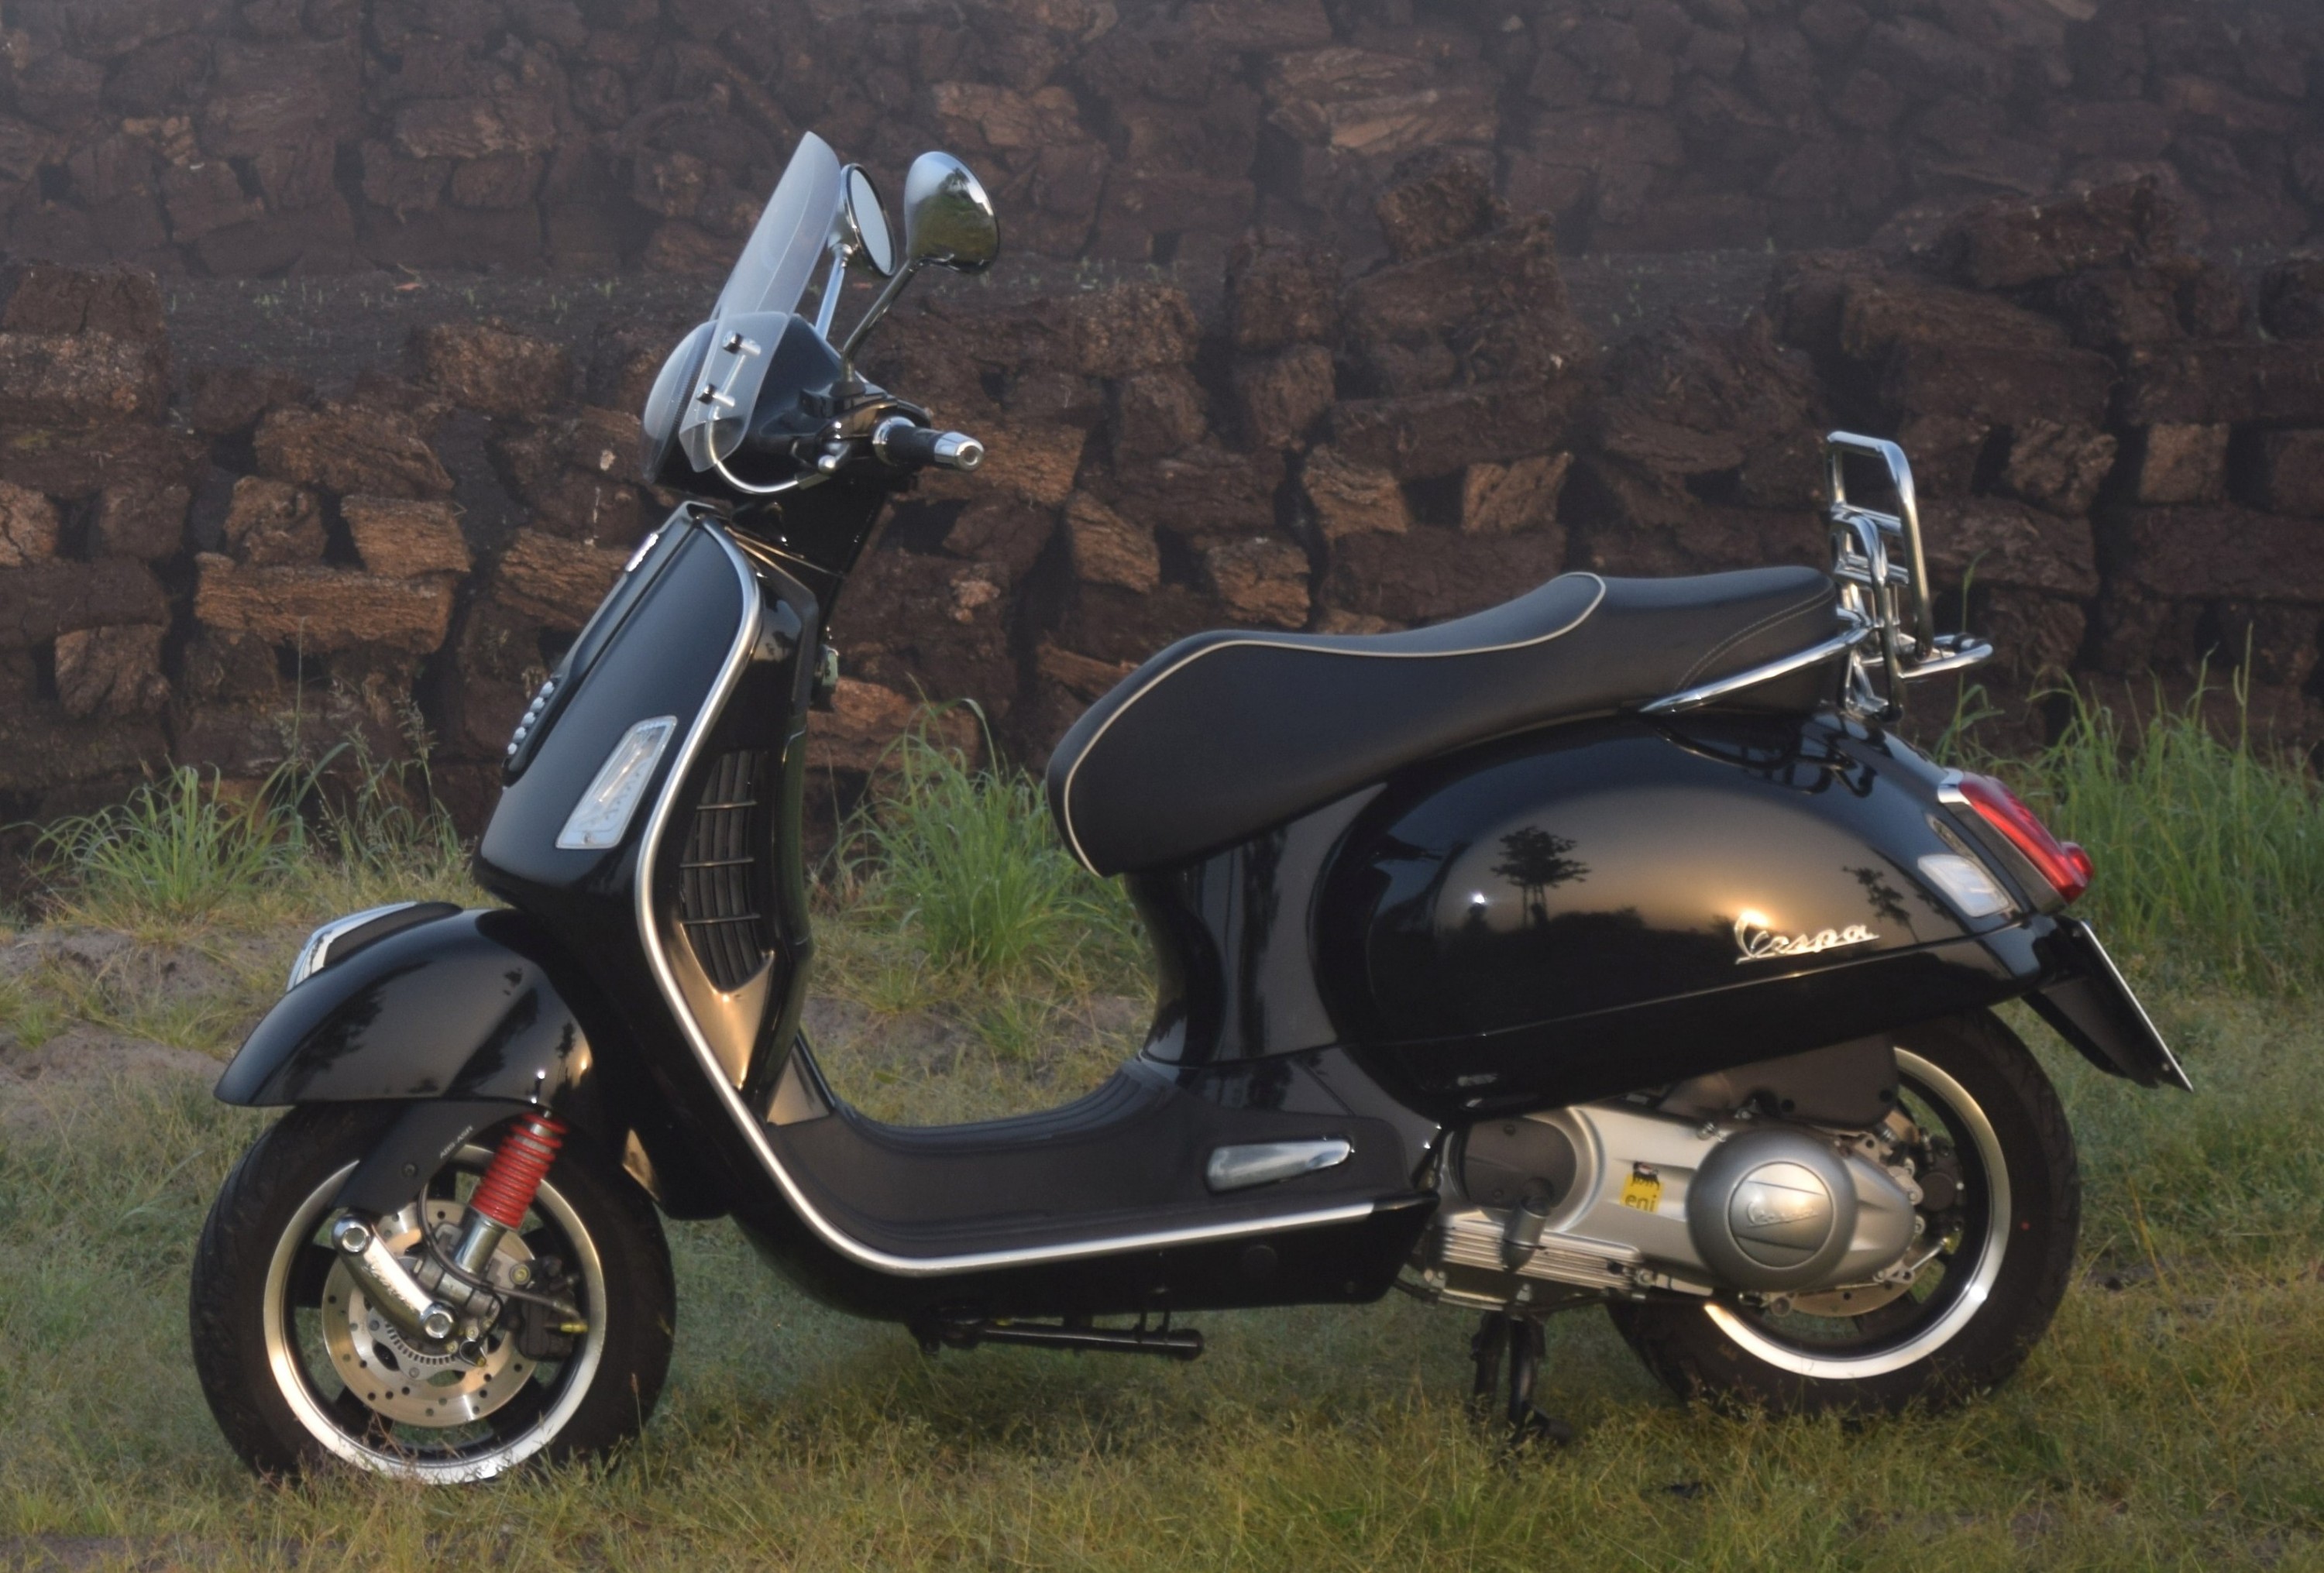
(905,446)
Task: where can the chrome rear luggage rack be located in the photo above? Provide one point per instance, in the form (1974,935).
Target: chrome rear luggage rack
(1878,559)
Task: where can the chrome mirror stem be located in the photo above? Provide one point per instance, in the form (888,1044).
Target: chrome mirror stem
(879,305)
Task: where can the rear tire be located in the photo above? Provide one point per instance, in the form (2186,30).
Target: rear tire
(264,1290)
(1976,1322)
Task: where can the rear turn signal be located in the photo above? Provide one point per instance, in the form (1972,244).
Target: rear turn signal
(2064,864)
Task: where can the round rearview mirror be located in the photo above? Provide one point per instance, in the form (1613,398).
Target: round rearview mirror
(948,220)
(865,224)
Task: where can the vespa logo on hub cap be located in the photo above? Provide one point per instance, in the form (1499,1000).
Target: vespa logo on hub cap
(1756,938)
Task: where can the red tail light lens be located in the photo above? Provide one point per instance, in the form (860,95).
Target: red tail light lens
(2064,864)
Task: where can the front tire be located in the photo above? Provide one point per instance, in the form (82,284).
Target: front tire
(268,1302)
(2008,1251)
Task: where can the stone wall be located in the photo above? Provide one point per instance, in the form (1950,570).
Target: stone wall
(2120,446)
(595,136)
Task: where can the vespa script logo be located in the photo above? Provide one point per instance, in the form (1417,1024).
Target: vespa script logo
(1756,938)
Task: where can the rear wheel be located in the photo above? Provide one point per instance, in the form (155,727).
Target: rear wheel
(2003,1208)
(299,1370)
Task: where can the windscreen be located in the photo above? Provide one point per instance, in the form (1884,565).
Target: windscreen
(769,277)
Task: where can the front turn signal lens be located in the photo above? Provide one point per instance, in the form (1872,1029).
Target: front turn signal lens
(2064,864)
(602,815)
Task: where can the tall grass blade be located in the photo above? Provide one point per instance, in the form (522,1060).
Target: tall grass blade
(967,862)
(2210,850)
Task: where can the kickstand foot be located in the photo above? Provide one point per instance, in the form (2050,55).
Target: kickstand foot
(1522,1340)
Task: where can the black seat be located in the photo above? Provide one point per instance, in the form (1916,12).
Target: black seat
(1225,734)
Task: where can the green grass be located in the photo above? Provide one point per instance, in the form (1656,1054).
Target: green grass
(2209,852)
(2175,1417)
(966,862)
(951,892)
(184,857)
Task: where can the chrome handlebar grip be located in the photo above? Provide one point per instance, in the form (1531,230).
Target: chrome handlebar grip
(906,444)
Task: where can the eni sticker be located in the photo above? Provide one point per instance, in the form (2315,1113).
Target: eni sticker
(1643,1191)
(1756,938)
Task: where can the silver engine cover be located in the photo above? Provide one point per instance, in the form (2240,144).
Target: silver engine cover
(1777,1210)
(1663,1202)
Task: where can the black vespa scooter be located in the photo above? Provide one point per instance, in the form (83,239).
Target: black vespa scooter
(1598,948)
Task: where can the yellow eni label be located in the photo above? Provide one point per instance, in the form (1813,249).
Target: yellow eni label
(1643,1189)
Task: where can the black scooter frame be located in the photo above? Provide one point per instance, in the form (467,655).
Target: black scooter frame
(595,997)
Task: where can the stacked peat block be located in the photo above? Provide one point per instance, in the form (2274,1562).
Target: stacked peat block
(2215,546)
(2092,420)
(94,489)
(1461,370)
(352,584)
(182,134)
(1322,454)
(331,580)
(256,136)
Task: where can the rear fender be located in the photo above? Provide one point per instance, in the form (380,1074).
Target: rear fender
(2087,1003)
(470,1017)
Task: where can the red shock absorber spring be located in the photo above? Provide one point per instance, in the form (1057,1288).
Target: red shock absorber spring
(517,1169)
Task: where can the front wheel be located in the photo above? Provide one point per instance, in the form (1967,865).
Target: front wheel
(2002,1217)
(299,1371)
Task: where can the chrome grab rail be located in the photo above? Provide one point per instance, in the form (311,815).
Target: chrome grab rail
(1875,556)
(1848,638)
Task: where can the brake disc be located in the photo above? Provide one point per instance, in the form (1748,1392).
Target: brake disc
(409,1380)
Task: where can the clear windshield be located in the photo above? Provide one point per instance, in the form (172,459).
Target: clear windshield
(770,276)
(773,270)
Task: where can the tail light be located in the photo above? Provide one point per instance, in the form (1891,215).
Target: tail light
(2064,864)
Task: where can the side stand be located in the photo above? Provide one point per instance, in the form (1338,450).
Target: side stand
(1521,1336)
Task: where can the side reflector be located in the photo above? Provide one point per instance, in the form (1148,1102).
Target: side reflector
(601,817)
(2064,864)
(1969,887)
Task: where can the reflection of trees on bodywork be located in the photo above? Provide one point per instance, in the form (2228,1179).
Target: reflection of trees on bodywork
(343,1031)
(1887,902)
(1260,903)
(1534,860)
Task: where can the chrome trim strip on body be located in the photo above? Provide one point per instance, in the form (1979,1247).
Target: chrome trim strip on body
(1783,666)
(649,934)
(1066,798)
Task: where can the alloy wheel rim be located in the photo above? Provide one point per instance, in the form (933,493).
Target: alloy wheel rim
(1955,1306)
(295,1376)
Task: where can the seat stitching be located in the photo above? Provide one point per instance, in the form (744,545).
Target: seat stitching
(1736,638)
(1066,798)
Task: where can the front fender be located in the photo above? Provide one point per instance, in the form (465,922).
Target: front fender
(462,1008)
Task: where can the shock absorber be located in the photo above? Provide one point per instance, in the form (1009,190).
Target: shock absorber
(505,1195)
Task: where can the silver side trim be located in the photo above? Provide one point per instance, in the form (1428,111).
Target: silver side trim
(1783,666)
(1263,1163)
(846,1244)
(1066,798)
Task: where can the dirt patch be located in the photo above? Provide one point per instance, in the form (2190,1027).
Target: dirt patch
(159,972)
(43,1086)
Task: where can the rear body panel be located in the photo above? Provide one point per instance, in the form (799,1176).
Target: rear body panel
(1612,905)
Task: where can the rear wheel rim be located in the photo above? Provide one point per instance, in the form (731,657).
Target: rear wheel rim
(337,1418)
(1967,1284)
